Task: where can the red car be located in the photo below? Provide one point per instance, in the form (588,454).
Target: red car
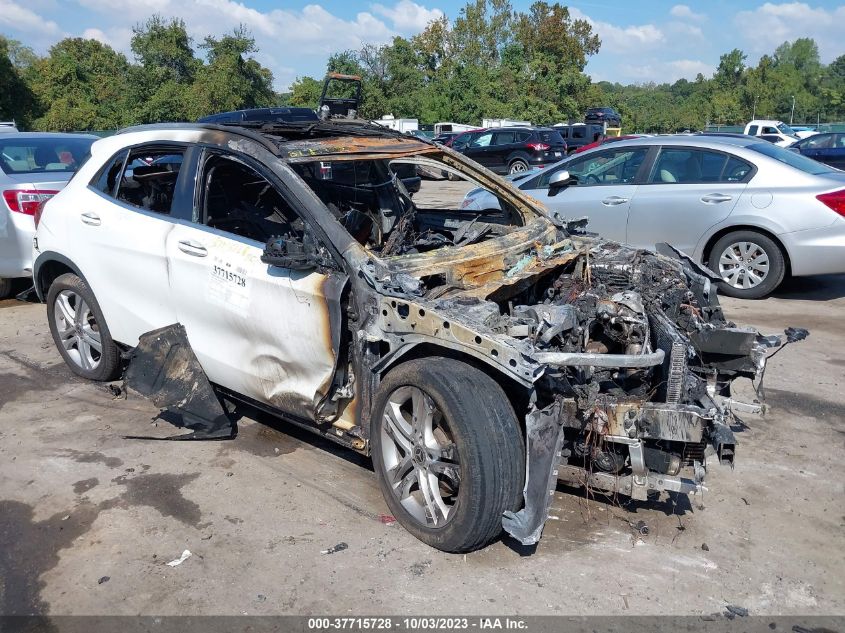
(606,139)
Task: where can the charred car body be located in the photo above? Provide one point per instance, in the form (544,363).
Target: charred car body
(477,356)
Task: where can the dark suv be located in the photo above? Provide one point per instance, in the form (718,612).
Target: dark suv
(509,150)
(604,115)
(577,135)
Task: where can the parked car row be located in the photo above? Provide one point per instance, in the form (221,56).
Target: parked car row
(511,150)
(753,212)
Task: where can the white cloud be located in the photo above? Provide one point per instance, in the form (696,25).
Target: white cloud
(120,39)
(617,39)
(770,25)
(685,30)
(286,37)
(664,72)
(14,16)
(683,12)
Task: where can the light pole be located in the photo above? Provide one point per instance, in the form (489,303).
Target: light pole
(754,108)
(792,114)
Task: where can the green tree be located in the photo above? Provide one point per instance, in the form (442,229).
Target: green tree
(82,85)
(17,101)
(232,79)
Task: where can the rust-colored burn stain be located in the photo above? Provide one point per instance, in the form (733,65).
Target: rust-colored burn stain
(354,148)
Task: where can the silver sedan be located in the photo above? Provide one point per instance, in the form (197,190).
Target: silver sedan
(753,212)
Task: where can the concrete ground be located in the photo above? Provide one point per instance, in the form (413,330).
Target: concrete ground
(88,519)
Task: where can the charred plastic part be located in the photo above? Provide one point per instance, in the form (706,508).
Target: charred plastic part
(544,438)
(164,368)
(724,442)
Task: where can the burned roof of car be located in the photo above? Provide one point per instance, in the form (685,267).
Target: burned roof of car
(308,141)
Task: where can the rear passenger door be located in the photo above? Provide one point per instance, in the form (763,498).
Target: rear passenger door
(259,330)
(129,210)
(688,190)
(606,184)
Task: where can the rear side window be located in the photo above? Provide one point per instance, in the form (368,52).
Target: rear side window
(579,132)
(504,138)
(148,178)
(807,165)
(552,137)
(564,132)
(752,131)
(695,166)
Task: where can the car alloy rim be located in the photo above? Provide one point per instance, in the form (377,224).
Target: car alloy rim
(744,265)
(78,331)
(517,167)
(420,457)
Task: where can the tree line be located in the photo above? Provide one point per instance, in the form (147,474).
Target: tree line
(490,62)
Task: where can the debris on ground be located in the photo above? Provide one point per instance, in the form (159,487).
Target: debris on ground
(103,579)
(387,519)
(642,528)
(337,548)
(733,611)
(185,556)
(705,547)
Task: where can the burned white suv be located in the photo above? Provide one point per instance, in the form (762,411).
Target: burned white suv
(477,356)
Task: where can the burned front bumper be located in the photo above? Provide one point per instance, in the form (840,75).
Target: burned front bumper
(664,447)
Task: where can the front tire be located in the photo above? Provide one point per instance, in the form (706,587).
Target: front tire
(448,452)
(80,331)
(750,264)
(5,287)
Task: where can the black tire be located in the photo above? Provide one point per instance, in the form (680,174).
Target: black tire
(489,443)
(775,257)
(517,166)
(5,287)
(107,365)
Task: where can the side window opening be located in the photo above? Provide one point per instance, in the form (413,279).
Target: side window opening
(148,179)
(483,140)
(238,200)
(370,200)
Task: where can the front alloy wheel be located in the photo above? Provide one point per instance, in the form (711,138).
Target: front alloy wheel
(420,457)
(448,452)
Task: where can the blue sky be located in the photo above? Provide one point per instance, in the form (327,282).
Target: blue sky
(641,41)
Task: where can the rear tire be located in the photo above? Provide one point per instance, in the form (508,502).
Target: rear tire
(751,264)
(518,166)
(80,331)
(457,434)
(5,287)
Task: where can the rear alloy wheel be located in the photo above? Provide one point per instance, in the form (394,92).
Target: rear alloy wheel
(79,330)
(518,166)
(750,264)
(448,452)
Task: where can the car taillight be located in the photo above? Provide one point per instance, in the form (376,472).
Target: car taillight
(26,201)
(834,200)
(538,147)
(39,210)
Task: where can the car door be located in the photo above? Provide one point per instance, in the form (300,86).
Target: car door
(126,214)
(688,190)
(262,331)
(606,184)
(503,144)
(480,148)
